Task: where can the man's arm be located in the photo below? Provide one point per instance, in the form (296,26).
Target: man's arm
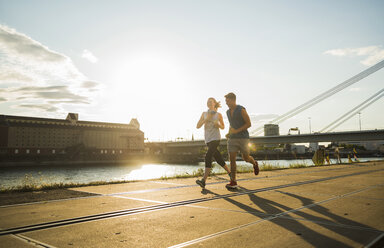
(246,125)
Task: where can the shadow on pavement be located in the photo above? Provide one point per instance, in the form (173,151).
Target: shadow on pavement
(330,221)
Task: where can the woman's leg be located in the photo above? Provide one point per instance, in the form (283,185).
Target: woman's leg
(206,173)
(219,158)
(208,159)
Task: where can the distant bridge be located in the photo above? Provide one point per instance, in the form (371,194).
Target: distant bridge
(193,147)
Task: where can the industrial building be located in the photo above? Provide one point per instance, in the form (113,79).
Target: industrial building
(271,130)
(29,137)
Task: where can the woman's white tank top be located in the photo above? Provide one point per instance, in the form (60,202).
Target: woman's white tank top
(211,132)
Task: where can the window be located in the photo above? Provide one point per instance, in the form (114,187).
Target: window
(38,151)
(53,151)
(27,151)
(16,151)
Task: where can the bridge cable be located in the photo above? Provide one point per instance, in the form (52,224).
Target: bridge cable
(332,91)
(354,111)
(323,96)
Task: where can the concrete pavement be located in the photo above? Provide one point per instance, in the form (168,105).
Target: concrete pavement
(330,206)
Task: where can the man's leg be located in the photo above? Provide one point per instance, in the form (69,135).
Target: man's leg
(248,158)
(232,159)
(233,148)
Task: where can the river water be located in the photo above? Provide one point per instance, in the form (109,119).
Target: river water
(37,175)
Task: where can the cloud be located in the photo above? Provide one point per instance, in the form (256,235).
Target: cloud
(89,84)
(36,77)
(68,102)
(362,51)
(373,54)
(2,99)
(89,56)
(48,93)
(22,45)
(45,107)
(34,88)
(59,95)
(373,59)
(14,76)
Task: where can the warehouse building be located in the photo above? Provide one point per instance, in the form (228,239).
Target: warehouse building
(30,137)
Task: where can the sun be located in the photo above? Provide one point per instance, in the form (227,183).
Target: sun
(148,76)
(145,87)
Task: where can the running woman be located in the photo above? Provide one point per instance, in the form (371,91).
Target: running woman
(212,121)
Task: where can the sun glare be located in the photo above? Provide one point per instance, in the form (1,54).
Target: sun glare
(148,171)
(146,77)
(142,87)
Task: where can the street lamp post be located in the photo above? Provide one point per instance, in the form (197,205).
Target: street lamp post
(359,119)
(309,119)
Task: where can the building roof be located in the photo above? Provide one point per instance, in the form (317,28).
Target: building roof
(11,120)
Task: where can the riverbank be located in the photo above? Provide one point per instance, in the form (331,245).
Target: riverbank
(30,183)
(6,164)
(34,193)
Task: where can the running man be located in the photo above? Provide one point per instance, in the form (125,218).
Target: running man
(238,137)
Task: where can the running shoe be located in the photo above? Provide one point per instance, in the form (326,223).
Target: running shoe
(201,183)
(232,185)
(256,168)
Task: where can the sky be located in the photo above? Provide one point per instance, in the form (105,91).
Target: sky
(159,61)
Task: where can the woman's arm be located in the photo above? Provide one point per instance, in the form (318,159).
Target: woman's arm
(201,121)
(220,123)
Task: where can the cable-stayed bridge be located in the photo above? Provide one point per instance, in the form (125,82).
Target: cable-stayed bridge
(193,147)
